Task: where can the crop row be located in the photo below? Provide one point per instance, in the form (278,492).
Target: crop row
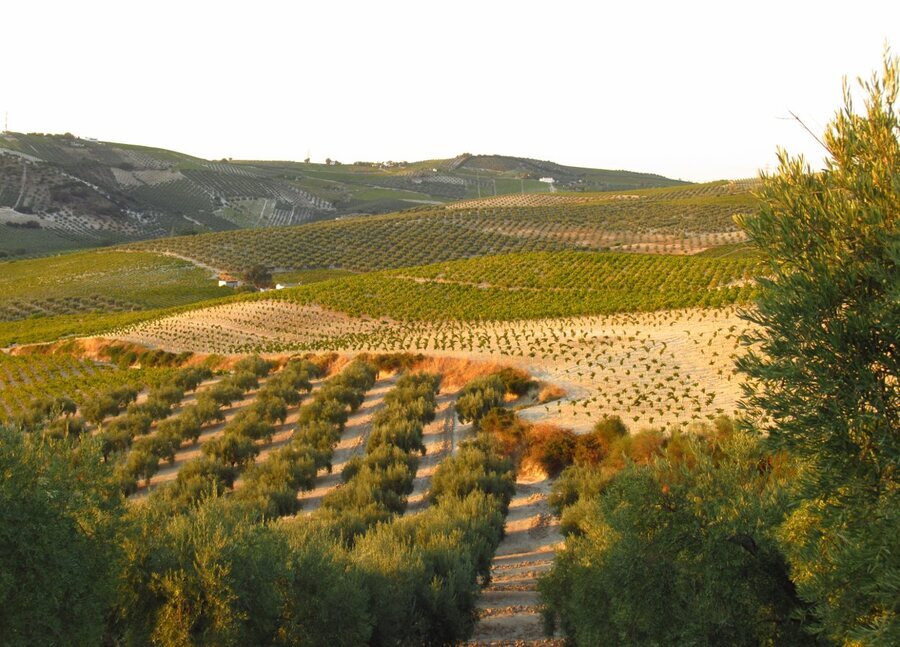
(138,280)
(319,425)
(376,485)
(25,379)
(435,234)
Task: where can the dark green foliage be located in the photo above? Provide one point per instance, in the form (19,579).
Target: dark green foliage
(197,479)
(232,449)
(258,276)
(325,602)
(478,397)
(271,486)
(139,464)
(188,379)
(515,381)
(43,409)
(208,577)
(397,431)
(327,410)
(97,409)
(221,394)
(65,427)
(477,465)
(680,552)
(59,512)
(244,380)
(253,364)
(824,373)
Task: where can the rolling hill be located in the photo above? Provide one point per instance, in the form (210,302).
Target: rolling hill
(677,220)
(60,192)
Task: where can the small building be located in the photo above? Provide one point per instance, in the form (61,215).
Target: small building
(227,281)
(547,180)
(280,286)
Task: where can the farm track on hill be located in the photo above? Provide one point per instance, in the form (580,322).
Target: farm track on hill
(673,222)
(509,607)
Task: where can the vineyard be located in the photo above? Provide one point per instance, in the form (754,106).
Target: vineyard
(29,378)
(520,286)
(93,193)
(77,282)
(85,292)
(675,221)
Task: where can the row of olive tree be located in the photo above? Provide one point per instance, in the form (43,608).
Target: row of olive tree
(270,487)
(227,455)
(215,572)
(375,485)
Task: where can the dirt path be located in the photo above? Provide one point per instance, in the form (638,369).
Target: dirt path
(509,607)
(22,188)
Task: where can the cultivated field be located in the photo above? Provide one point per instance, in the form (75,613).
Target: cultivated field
(669,221)
(654,368)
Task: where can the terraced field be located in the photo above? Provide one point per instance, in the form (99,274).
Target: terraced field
(93,193)
(659,368)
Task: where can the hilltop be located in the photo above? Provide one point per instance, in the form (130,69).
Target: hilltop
(60,192)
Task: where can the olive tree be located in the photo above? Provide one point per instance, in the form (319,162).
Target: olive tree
(823,370)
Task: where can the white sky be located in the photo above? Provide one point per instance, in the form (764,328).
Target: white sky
(690,90)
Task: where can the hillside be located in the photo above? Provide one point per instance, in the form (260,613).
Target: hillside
(61,192)
(92,291)
(680,220)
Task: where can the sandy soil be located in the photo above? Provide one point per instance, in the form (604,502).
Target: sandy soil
(652,369)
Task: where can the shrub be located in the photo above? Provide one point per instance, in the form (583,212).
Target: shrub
(591,448)
(478,397)
(515,381)
(507,429)
(550,447)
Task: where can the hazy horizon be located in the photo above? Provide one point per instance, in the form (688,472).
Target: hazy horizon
(690,91)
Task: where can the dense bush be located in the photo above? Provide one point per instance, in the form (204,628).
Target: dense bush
(550,447)
(478,397)
(507,429)
(591,448)
(516,381)
(824,365)
(687,539)
(59,512)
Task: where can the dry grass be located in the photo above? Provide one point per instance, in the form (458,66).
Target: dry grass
(457,371)
(549,393)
